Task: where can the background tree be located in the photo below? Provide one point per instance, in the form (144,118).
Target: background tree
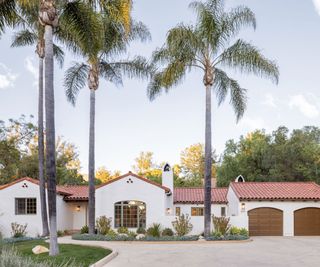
(205,46)
(100,52)
(280,156)
(104,175)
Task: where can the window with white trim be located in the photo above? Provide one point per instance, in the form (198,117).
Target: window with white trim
(25,206)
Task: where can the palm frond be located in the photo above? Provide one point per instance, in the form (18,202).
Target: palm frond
(138,67)
(247,58)
(224,84)
(58,54)
(24,38)
(74,80)
(110,73)
(8,14)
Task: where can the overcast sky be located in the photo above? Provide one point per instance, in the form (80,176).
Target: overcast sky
(127,123)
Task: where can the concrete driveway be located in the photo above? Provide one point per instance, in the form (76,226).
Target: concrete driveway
(262,251)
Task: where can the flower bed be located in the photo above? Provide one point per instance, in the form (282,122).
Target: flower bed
(11,240)
(132,238)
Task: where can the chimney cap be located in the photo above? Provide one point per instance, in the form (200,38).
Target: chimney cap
(166,167)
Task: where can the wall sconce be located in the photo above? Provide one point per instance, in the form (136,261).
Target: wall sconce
(78,208)
(243,207)
(168,211)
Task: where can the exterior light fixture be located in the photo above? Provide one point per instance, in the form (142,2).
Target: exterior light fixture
(243,207)
(168,211)
(78,208)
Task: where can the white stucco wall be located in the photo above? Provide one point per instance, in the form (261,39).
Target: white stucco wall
(34,228)
(138,190)
(198,221)
(79,218)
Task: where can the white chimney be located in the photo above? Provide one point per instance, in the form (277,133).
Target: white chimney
(167,181)
(167,177)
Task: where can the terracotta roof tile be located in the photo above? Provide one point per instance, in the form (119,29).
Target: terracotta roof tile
(196,195)
(76,192)
(276,190)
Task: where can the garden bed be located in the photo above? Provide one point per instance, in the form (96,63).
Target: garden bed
(88,237)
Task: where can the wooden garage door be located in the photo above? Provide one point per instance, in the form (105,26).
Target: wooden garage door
(307,221)
(265,222)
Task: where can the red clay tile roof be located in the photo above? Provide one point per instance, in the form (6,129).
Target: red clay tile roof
(276,190)
(76,192)
(196,195)
(167,190)
(34,181)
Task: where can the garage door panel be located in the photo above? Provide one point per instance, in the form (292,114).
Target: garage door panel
(307,222)
(265,222)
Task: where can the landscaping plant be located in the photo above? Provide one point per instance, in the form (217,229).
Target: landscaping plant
(141,230)
(154,230)
(103,225)
(18,230)
(221,224)
(84,229)
(167,232)
(123,230)
(182,225)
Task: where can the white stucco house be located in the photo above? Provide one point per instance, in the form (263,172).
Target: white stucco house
(270,208)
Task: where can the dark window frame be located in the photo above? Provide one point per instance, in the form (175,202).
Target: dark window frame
(197,211)
(25,206)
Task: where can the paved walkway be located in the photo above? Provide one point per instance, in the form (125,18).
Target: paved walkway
(262,251)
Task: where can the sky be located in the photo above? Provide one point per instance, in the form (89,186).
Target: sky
(127,123)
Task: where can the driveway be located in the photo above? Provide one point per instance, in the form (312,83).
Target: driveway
(262,251)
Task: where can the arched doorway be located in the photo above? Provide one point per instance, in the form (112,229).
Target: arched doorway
(265,222)
(130,214)
(307,222)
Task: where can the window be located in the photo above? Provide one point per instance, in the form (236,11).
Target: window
(196,211)
(223,211)
(25,206)
(178,211)
(131,214)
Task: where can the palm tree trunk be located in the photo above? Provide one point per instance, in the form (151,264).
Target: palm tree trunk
(92,163)
(208,165)
(42,182)
(50,140)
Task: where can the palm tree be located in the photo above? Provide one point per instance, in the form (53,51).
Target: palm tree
(206,46)
(100,52)
(32,34)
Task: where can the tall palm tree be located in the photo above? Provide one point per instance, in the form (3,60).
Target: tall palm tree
(206,46)
(100,54)
(32,34)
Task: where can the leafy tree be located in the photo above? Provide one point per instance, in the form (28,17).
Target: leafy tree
(192,162)
(110,40)
(104,175)
(143,163)
(205,46)
(280,156)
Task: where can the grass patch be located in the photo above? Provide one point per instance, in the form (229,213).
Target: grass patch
(79,255)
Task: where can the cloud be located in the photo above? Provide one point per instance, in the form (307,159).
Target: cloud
(251,124)
(317,5)
(7,78)
(304,106)
(31,67)
(270,101)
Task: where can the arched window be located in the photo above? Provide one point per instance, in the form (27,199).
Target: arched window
(131,214)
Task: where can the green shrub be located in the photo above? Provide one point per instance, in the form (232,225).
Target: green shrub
(84,229)
(103,225)
(182,225)
(123,230)
(234,230)
(141,230)
(221,224)
(217,235)
(132,234)
(167,232)
(112,232)
(18,230)
(244,232)
(154,230)
(60,233)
